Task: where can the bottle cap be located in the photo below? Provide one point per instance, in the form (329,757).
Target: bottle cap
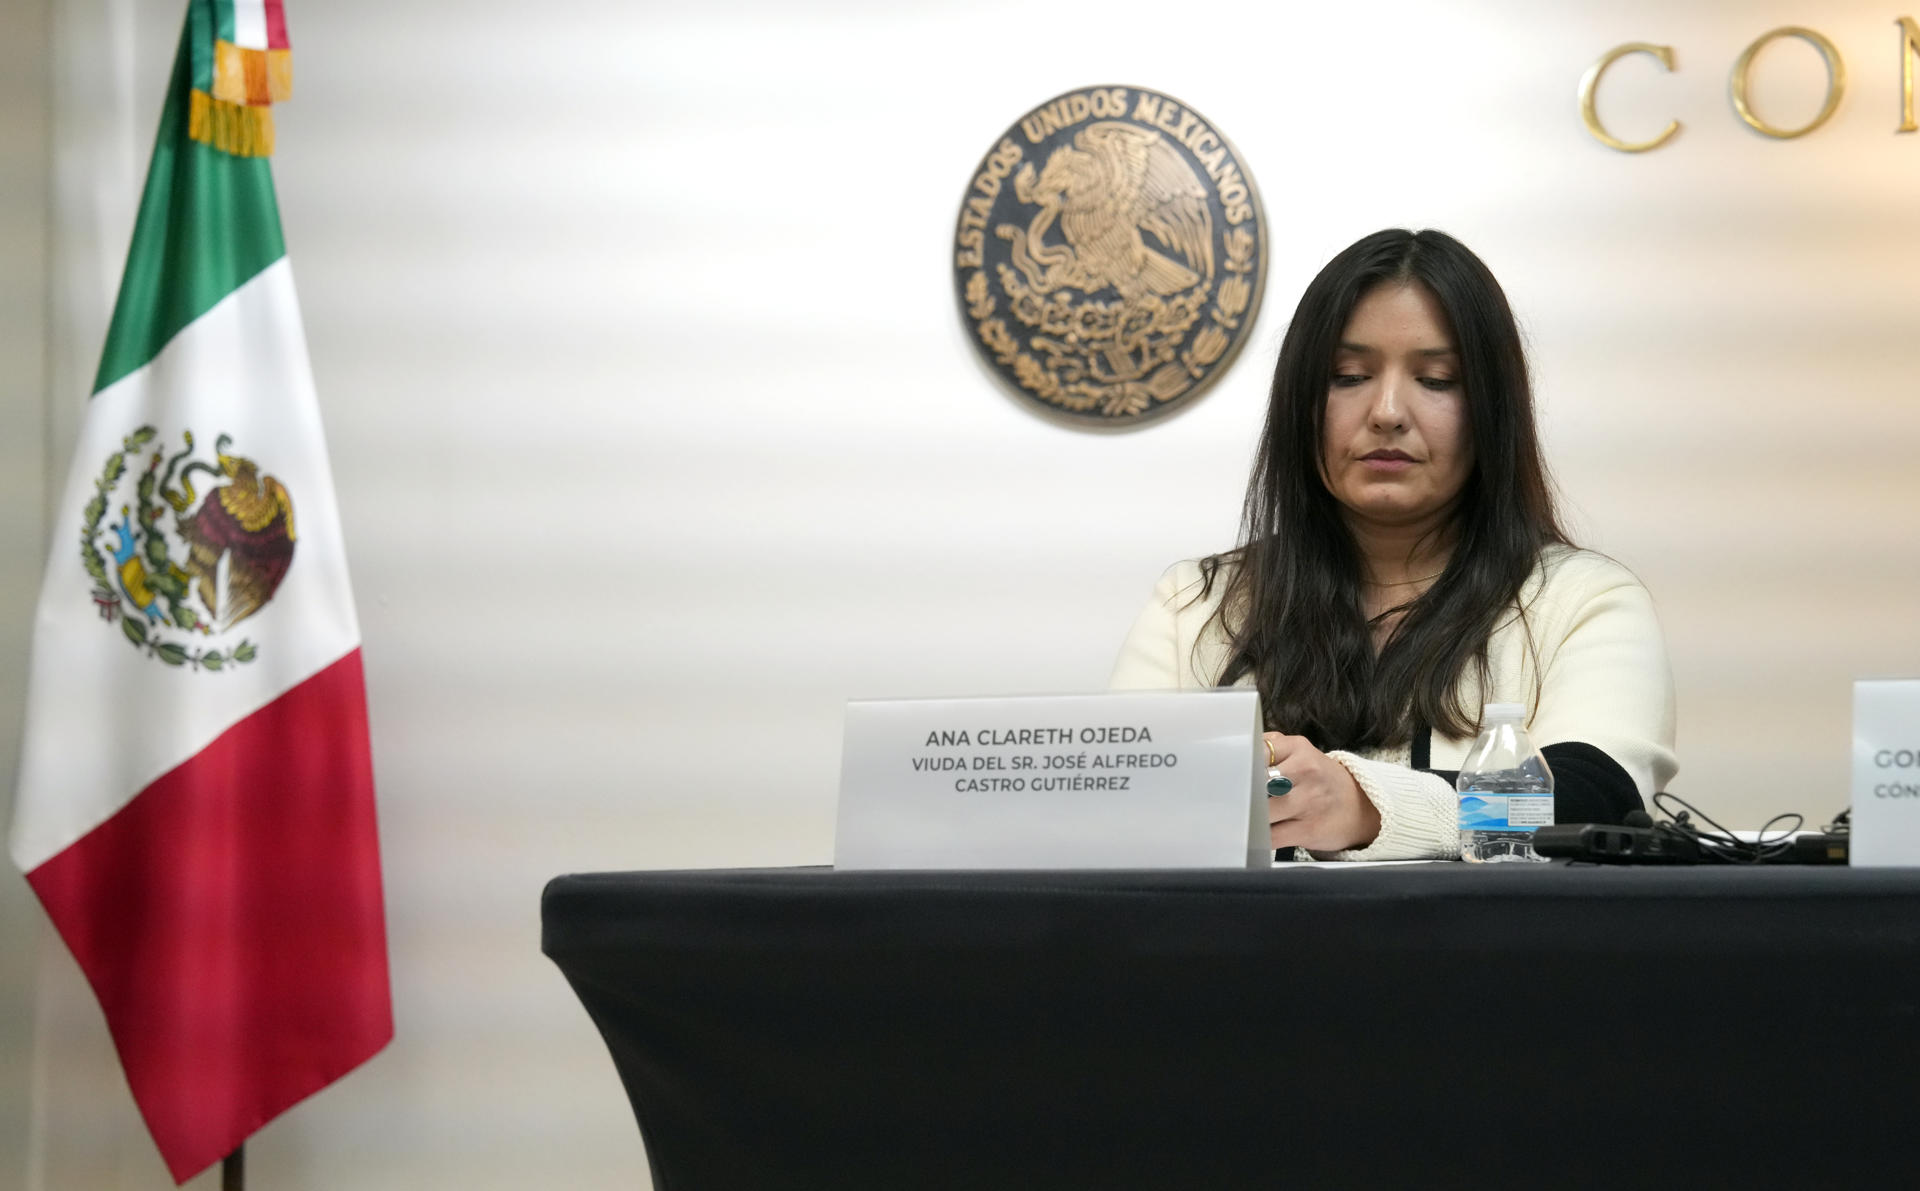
(1504,712)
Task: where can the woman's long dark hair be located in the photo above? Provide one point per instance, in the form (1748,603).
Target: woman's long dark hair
(1292,608)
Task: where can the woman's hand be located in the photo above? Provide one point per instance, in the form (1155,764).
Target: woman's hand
(1325,811)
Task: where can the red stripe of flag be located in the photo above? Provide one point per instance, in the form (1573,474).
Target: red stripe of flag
(229,919)
(276,26)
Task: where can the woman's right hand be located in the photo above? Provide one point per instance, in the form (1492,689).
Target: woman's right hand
(1325,811)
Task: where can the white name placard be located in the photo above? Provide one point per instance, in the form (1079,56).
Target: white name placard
(1886,773)
(1123,780)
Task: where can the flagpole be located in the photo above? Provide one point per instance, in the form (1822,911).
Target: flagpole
(233,1169)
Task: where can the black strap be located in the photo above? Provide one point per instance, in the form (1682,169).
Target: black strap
(1588,785)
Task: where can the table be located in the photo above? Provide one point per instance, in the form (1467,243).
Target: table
(1435,1025)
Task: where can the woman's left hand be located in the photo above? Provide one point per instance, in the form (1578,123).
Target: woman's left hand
(1325,811)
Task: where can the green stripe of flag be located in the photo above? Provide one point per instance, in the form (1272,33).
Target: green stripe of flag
(200,34)
(207,223)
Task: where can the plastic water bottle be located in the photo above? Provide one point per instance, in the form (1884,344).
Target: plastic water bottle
(1506,790)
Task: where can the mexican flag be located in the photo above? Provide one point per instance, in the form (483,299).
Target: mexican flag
(195,797)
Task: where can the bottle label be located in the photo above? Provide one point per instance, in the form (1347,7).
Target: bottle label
(1480,811)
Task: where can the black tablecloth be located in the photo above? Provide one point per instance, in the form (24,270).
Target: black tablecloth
(1440,1025)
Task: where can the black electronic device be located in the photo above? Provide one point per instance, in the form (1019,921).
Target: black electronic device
(1606,844)
(1819,847)
(1642,841)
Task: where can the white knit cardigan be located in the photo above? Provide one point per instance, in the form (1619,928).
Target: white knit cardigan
(1589,641)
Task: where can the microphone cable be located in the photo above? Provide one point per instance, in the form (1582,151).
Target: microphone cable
(1714,843)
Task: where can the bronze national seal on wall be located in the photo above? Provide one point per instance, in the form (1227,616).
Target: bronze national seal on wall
(1110,255)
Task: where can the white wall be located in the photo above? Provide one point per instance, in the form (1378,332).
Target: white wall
(659,436)
(24,180)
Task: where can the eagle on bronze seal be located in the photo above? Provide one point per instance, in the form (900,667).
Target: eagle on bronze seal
(1110,255)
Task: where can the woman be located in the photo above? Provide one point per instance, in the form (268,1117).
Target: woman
(1401,565)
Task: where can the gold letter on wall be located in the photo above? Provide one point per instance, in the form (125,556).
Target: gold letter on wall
(1836,81)
(1909,46)
(1590,83)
